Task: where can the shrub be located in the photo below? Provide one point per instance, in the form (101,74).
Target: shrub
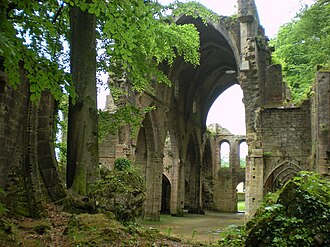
(122,164)
(3,209)
(298,215)
(121,191)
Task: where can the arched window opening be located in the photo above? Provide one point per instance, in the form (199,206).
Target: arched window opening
(243,151)
(224,154)
(240,197)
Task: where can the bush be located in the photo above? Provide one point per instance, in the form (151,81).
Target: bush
(121,191)
(234,236)
(122,164)
(3,209)
(298,215)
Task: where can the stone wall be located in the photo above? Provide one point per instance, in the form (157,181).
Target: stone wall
(286,139)
(27,159)
(321,123)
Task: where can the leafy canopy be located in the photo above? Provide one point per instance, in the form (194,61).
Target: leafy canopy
(31,34)
(133,39)
(303,44)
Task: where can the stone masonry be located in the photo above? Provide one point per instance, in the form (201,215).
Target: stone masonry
(180,160)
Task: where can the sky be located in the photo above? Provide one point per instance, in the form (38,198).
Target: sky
(272,15)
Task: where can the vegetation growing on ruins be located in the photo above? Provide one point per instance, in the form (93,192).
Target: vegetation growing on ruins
(302,45)
(60,46)
(42,39)
(296,215)
(120,191)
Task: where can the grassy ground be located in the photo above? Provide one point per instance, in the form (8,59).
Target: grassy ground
(195,228)
(241,206)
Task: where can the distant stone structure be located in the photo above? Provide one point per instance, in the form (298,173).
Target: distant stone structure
(180,161)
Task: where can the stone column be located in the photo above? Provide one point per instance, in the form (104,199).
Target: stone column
(322,123)
(174,205)
(254,182)
(154,175)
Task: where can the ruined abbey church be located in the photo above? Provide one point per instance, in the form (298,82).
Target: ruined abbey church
(178,156)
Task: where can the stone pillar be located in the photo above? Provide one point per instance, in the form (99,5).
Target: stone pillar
(154,173)
(225,196)
(181,188)
(174,205)
(254,182)
(249,22)
(322,123)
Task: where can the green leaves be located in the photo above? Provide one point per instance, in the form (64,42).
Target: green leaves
(293,216)
(195,10)
(30,36)
(110,122)
(303,44)
(140,40)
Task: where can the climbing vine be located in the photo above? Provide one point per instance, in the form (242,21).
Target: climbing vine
(110,122)
(195,10)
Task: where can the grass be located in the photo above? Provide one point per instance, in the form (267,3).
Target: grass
(241,206)
(195,228)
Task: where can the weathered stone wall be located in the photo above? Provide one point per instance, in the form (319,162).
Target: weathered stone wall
(27,160)
(13,126)
(226,179)
(282,140)
(286,139)
(321,123)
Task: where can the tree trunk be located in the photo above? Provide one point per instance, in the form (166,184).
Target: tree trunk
(82,160)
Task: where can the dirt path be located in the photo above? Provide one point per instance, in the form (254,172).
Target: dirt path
(193,227)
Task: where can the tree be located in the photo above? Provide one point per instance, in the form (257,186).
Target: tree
(303,44)
(133,42)
(82,160)
(133,37)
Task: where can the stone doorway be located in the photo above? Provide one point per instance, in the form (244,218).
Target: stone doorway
(166,196)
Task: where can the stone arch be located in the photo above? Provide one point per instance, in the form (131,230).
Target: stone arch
(218,69)
(281,174)
(150,161)
(173,170)
(166,195)
(222,153)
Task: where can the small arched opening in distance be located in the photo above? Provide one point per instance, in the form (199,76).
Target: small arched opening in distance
(224,154)
(166,196)
(242,152)
(240,189)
